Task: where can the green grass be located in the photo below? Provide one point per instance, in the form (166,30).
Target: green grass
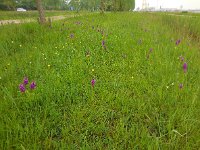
(9,15)
(136,102)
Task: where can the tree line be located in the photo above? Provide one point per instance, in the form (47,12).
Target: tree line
(104,5)
(76,5)
(31,4)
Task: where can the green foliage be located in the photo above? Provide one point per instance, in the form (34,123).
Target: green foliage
(31,5)
(109,5)
(27,4)
(54,4)
(123,5)
(90,5)
(7,4)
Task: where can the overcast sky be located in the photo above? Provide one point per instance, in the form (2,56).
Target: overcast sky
(186,4)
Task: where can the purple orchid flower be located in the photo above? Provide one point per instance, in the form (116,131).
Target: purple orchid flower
(178,42)
(93,82)
(32,85)
(25,81)
(185,67)
(22,88)
(103,44)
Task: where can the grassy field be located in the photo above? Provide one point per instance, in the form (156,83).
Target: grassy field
(9,15)
(113,81)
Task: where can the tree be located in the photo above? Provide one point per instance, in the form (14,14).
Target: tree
(27,4)
(90,5)
(123,5)
(42,19)
(54,4)
(8,4)
(102,7)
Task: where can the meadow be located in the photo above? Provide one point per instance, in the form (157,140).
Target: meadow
(112,81)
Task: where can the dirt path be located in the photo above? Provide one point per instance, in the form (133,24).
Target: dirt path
(20,21)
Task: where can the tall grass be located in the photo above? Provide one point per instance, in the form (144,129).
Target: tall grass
(184,25)
(136,101)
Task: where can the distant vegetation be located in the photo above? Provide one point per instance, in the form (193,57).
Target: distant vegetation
(109,5)
(90,5)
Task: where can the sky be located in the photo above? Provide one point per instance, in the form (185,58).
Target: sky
(186,4)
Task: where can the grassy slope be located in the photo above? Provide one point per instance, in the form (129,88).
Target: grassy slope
(10,15)
(136,102)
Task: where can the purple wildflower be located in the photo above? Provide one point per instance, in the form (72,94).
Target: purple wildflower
(22,88)
(178,42)
(185,67)
(103,43)
(25,81)
(32,85)
(181,86)
(93,82)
